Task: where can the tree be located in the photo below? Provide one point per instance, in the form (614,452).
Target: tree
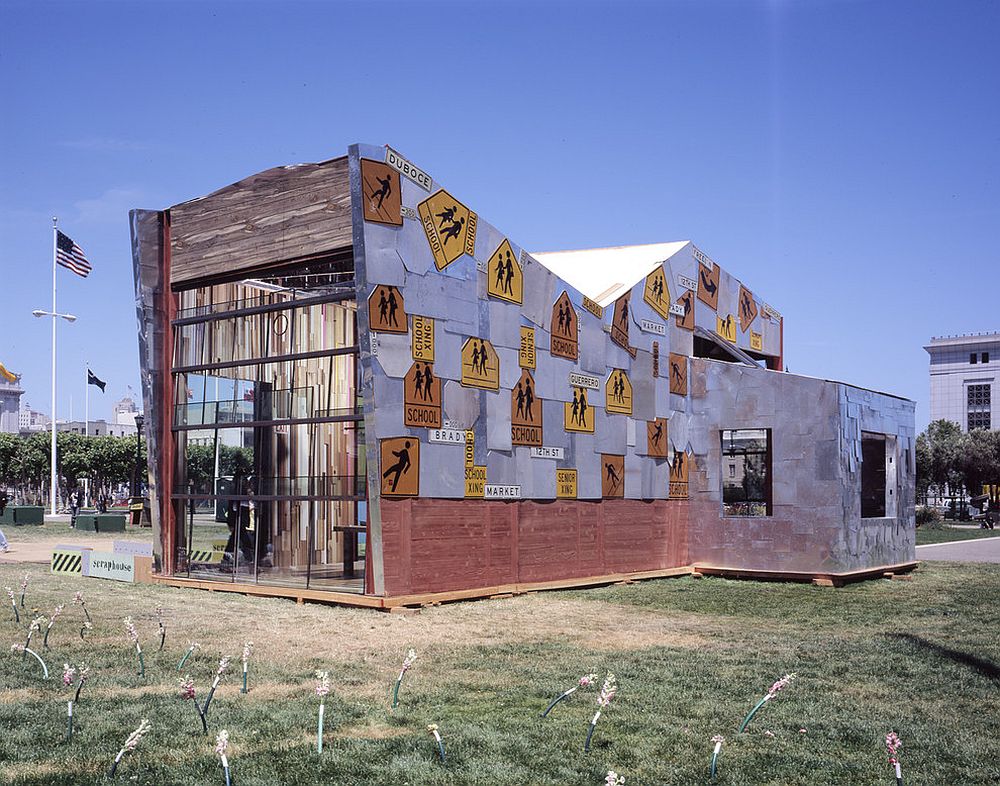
(980,459)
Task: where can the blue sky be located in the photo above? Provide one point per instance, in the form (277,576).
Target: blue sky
(842,158)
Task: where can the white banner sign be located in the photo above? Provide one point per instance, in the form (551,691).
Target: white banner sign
(649,326)
(584,381)
(502,492)
(686,283)
(449,436)
(405,168)
(548,453)
(677,309)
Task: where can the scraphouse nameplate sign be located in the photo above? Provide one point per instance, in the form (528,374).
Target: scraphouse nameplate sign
(577,414)
(400,466)
(450,228)
(747,307)
(565,342)
(406,168)
(618,393)
(421,397)
(565,484)
(494,491)
(446,436)
(480,365)
(656,292)
(503,275)
(380,186)
(525,412)
(422,339)
(108,565)
(386,312)
(584,381)
(686,318)
(548,453)
(526,351)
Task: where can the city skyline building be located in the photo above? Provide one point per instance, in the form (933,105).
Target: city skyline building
(963,374)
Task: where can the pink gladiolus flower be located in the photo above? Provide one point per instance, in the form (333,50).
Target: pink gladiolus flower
(69,674)
(411,656)
(187,687)
(587,680)
(893,743)
(718,738)
(614,779)
(323,686)
(608,690)
(780,685)
(222,743)
(131,631)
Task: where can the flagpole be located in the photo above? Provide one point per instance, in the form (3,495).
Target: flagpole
(86,398)
(52,458)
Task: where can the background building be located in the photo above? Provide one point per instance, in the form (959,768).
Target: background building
(963,372)
(98,428)
(10,405)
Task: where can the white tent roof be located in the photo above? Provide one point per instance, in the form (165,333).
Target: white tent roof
(603,274)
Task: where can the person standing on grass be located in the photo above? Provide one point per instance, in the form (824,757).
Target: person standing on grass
(4,545)
(74,506)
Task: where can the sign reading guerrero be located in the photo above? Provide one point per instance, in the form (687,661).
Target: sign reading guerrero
(525,413)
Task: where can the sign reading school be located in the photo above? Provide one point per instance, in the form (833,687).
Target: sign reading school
(422,397)
(565,342)
(450,228)
(525,413)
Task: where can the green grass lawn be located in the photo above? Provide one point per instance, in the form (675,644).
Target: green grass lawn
(947,534)
(60,528)
(691,657)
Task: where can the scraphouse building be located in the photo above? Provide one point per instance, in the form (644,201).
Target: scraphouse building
(358,390)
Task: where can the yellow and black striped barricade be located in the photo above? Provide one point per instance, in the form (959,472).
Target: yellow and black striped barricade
(67,560)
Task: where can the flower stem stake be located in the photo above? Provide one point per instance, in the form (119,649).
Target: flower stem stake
(411,656)
(24,587)
(893,743)
(322,688)
(36,625)
(247,649)
(774,691)
(163,630)
(221,746)
(191,648)
(613,779)
(70,675)
(52,621)
(433,729)
(78,599)
(13,604)
(219,672)
(15,648)
(133,635)
(718,739)
(130,744)
(608,691)
(585,682)
(187,692)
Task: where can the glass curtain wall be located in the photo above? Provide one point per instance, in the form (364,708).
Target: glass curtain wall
(269,476)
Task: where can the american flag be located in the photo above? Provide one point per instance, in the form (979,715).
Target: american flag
(69,254)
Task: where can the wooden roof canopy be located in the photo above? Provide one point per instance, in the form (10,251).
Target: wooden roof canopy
(281,215)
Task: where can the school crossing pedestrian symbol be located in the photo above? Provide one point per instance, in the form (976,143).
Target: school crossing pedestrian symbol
(618,393)
(503,275)
(656,438)
(619,323)
(747,308)
(708,285)
(679,475)
(612,476)
(400,466)
(678,374)
(565,342)
(726,328)
(656,292)
(380,184)
(386,313)
(450,228)
(422,397)
(480,365)
(578,414)
(686,301)
(525,413)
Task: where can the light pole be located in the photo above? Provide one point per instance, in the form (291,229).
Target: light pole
(69,318)
(137,487)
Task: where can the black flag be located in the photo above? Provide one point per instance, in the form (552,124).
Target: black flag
(93,380)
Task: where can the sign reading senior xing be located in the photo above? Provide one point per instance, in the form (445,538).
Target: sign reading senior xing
(109,565)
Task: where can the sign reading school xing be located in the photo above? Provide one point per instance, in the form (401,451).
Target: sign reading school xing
(450,228)
(503,275)
(480,365)
(525,413)
(422,339)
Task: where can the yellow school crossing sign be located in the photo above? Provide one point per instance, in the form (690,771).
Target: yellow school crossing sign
(503,275)
(618,393)
(656,292)
(450,228)
(480,365)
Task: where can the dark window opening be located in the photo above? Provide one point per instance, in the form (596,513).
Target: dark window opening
(872,476)
(985,358)
(972,358)
(747,490)
(979,405)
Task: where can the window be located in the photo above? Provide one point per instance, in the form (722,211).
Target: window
(747,490)
(985,357)
(979,404)
(972,358)
(878,476)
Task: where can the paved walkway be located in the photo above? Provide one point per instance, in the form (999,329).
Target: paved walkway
(41,550)
(978,550)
